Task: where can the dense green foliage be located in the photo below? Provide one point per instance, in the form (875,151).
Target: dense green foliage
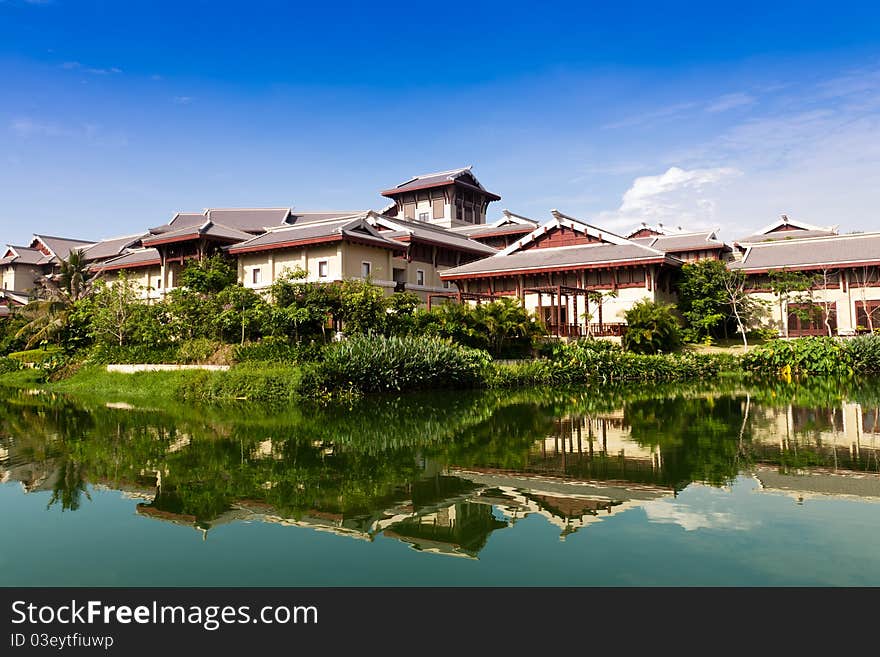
(594,360)
(376,364)
(651,328)
(817,355)
(703,300)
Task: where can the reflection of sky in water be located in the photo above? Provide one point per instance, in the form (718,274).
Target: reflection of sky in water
(528,493)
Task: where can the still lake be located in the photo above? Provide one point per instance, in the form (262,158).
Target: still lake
(740,484)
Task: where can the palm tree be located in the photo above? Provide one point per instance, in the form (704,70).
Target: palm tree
(48,315)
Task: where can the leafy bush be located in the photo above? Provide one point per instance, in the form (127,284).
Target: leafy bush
(376,363)
(587,361)
(197,350)
(274,350)
(814,355)
(864,352)
(651,328)
(10,365)
(35,356)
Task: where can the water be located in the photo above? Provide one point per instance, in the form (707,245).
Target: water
(741,485)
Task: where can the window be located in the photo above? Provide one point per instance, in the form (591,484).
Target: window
(366,268)
(158,283)
(423,216)
(323,269)
(439,208)
(256,276)
(409,210)
(445,285)
(420,277)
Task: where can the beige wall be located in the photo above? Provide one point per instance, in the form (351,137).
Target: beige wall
(20,278)
(842,297)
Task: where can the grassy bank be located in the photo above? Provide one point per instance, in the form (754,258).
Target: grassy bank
(366,365)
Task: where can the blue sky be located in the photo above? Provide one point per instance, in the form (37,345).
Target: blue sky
(115,115)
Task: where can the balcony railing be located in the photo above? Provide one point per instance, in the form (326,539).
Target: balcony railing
(580,330)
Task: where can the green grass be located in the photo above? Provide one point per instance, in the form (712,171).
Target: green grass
(35,355)
(95,381)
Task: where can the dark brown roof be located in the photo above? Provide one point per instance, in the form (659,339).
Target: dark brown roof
(440,179)
(571,257)
(812,253)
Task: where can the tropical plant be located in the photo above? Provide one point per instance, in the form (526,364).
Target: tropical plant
(651,328)
(48,317)
(703,299)
(209,275)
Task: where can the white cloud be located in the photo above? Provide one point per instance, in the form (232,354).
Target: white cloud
(76,66)
(654,116)
(676,197)
(26,127)
(691,519)
(730,101)
(182,100)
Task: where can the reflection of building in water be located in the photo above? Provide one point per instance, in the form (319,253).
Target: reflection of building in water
(595,446)
(840,438)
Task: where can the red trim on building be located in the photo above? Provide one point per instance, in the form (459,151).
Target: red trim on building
(133,265)
(551,269)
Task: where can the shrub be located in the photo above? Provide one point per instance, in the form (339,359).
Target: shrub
(377,363)
(197,350)
(274,350)
(864,353)
(651,328)
(35,356)
(10,365)
(815,355)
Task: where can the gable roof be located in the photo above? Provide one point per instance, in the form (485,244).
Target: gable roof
(111,247)
(658,228)
(564,221)
(405,230)
(249,220)
(60,247)
(787,224)
(508,224)
(352,228)
(784,235)
(23,255)
(516,258)
(679,243)
(852,250)
(207,229)
(441,179)
(134,258)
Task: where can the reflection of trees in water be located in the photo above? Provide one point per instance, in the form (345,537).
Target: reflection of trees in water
(357,460)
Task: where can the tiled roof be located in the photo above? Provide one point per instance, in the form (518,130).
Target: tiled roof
(681,242)
(483,230)
(62,246)
(440,178)
(305,216)
(139,257)
(588,255)
(180,220)
(816,252)
(784,236)
(111,247)
(26,256)
(401,228)
(207,229)
(351,227)
(249,220)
